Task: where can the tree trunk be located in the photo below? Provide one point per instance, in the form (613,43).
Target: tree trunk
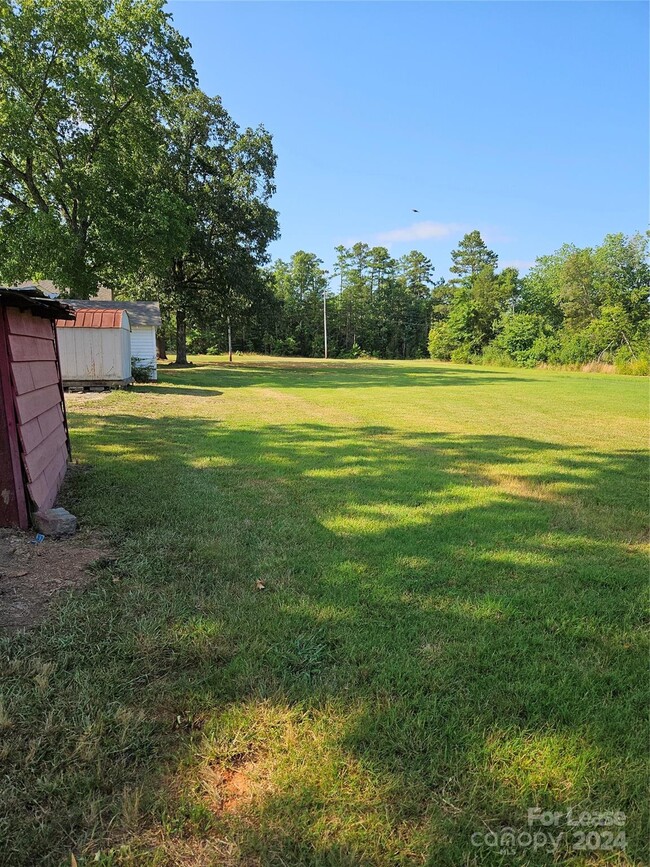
(229,341)
(161,345)
(181,337)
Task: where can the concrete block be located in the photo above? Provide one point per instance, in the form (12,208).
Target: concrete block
(55,522)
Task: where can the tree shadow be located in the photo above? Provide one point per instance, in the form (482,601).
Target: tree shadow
(306,374)
(449,632)
(155,389)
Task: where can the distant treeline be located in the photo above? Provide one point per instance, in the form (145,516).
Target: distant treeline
(574,307)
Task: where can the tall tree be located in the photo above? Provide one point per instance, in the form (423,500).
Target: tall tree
(417,274)
(223,180)
(82,87)
(623,273)
(355,296)
(579,297)
(472,256)
(540,287)
(299,285)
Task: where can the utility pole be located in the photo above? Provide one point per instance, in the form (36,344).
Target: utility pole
(325,318)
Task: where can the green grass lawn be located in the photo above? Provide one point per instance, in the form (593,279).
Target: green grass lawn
(450,632)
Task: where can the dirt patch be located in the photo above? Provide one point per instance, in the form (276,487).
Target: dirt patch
(32,574)
(227,789)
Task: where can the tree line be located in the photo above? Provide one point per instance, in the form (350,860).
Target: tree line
(376,306)
(574,307)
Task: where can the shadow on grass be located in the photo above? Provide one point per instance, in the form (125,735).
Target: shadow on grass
(155,389)
(303,374)
(449,633)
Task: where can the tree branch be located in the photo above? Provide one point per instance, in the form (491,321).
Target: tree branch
(11,197)
(31,184)
(27,178)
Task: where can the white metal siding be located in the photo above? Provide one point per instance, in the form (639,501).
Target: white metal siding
(143,346)
(126,352)
(94,354)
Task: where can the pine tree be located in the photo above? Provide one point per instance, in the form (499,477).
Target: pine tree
(472,256)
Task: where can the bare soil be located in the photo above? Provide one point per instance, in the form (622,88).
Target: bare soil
(226,789)
(31,574)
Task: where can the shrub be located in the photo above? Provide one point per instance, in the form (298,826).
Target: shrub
(519,332)
(441,342)
(635,365)
(141,370)
(545,349)
(288,346)
(462,354)
(354,352)
(493,355)
(575,347)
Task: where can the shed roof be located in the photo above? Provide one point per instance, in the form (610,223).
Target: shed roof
(47,287)
(91,318)
(140,312)
(36,302)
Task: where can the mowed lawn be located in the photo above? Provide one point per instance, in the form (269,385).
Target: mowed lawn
(360,612)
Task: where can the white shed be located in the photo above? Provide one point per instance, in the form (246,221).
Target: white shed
(144,317)
(95,348)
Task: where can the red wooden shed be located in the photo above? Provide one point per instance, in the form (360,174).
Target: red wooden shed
(34,443)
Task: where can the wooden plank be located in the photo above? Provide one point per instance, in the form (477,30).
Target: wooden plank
(51,420)
(39,493)
(15,500)
(23,348)
(8,506)
(23,322)
(38,459)
(44,489)
(55,472)
(30,375)
(37,429)
(37,402)
(31,434)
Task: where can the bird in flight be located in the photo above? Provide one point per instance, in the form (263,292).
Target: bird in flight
(415,210)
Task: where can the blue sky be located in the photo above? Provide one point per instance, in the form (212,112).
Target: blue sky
(527,120)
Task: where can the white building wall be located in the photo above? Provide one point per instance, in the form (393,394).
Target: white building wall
(143,346)
(94,354)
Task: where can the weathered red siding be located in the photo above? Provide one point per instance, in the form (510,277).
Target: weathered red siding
(13,505)
(38,403)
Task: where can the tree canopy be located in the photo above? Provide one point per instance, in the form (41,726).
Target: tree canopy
(82,89)
(116,169)
(222,180)
(575,306)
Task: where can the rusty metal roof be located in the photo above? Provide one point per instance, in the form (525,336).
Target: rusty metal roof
(93,318)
